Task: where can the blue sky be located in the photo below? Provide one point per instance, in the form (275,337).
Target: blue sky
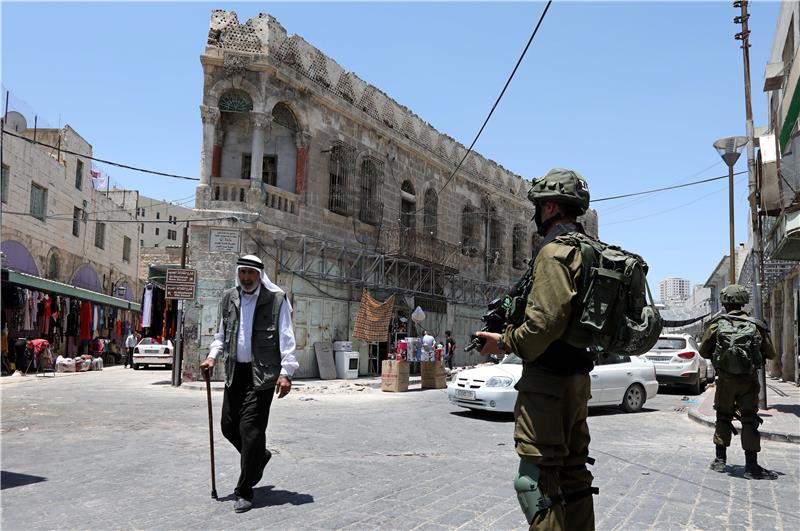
(630,94)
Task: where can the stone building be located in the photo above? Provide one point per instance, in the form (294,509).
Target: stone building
(55,224)
(673,289)
(779,178)
(161,222)
(340,188)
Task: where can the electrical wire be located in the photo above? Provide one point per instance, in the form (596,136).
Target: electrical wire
(497,101)
(666,188)
(111,163)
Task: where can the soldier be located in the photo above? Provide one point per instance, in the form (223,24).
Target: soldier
(551,435)
(737,345)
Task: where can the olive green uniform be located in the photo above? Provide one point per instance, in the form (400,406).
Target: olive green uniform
(736,392)
(550,414)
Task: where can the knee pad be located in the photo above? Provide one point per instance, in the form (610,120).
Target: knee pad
(529,494)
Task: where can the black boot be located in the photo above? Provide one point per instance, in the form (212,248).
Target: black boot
(752,470)
(718,464)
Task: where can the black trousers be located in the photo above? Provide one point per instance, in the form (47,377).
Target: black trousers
(245,414)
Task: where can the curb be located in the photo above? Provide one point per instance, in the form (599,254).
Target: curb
(299,385)
(771,435)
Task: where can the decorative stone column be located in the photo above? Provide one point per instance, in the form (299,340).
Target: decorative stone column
(260,121)
(303,141)
(210,117)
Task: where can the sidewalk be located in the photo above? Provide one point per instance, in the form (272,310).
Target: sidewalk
(781,419)
(312,385)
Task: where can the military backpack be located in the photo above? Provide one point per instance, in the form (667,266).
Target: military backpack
(614,308)
(738,348)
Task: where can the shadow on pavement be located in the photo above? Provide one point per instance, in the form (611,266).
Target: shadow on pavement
(9,480)
(162,382)
(737,471)
(485,415)
(792,409)
(614,410)
(268,497)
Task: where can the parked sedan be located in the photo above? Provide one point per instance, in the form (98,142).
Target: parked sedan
(150,351)
(678,362)
(616,381)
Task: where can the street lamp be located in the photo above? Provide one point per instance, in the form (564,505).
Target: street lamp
(729,149)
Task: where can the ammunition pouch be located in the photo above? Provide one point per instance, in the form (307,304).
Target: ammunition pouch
(530,496)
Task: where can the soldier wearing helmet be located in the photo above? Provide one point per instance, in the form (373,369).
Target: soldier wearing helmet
(551,435)
(737,344)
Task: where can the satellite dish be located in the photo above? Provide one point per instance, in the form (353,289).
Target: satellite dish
(16,122)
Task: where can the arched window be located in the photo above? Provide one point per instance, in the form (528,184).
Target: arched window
(408,205)
(494,246)
(279,167)
(341,167)
(469,230)
(235,100)
(430,227)
(53,267)
(517,251)
(371,178)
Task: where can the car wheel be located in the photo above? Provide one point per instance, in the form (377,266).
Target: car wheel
(699,385)
(135,366)
(634,398)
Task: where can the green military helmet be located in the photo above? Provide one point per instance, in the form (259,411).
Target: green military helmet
(562,186)
(734,294)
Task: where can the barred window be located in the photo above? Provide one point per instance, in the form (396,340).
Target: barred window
(408,205)
(77,217)
(431,213)
(126,249)
(235,100)
(100,235)
(371,205)
(494,246)
(79,175)
(469,230)
(4,183)
(38,201)
(517,251)
(341,168)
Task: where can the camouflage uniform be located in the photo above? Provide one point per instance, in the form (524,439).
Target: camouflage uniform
(551,434)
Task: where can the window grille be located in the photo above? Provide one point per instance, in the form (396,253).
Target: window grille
(100,235)
(408,206)
(38,201)
(284,116)
(4,183)
(77,216)
(517,252)
(235,100)
(469,230)
(431,213)
(341,167)
(79,175)
(371,204)
(126,249)
(53,267)
(495,243)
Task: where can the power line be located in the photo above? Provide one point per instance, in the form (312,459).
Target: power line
(665,188)
(502,92)
(117,164)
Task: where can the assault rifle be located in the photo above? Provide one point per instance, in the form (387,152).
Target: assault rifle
(506,310)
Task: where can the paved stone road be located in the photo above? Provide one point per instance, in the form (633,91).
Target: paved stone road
(122,449)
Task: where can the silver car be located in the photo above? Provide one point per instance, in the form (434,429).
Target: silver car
(677,360)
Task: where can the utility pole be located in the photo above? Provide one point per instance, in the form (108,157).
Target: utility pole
(757,261)
(178,359)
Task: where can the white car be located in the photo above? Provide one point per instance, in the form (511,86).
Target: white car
(678,362)
(150,351)
(616,381)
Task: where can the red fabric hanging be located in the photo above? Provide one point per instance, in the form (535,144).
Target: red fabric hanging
(86,321)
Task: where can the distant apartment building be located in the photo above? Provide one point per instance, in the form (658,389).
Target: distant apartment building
(161,222)
(674,289)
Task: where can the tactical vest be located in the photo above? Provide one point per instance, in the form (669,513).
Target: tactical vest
(265,341)
(738,348)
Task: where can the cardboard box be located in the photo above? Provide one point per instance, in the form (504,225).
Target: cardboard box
(433,375)
(394,376)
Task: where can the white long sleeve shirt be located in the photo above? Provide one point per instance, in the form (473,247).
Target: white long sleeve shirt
(244,354)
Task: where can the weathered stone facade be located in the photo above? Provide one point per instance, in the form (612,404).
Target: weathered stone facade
(63,249)
(339,187)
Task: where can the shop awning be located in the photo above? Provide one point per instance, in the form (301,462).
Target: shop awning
(57,288)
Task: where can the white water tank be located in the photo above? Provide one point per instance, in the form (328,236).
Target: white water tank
(346,364)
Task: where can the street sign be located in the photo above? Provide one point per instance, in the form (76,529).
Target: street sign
(224,241)
(181,283)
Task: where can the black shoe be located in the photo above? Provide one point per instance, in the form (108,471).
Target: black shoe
(242,505)
(718,465)
(757,472)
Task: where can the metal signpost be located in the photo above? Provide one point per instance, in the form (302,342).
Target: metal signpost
(181,285)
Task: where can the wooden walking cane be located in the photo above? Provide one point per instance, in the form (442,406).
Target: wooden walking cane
(207,376)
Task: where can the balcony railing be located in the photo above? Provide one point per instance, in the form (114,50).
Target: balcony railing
(229,189)
(409,244)
(237,189)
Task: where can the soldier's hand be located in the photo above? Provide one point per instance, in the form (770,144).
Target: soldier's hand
(491,343)
(283,386)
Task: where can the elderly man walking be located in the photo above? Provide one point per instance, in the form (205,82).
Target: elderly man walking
(256,339)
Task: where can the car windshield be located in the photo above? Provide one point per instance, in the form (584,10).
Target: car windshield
(511,359)
(149,341)
(670,343)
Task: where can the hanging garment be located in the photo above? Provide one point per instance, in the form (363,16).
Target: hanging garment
(47,311)
(147,306)
(27,322)
(86,321)
(95,319)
